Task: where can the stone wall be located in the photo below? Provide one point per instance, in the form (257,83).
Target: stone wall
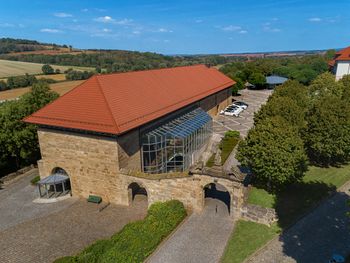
(259,214)
(189,190)
(90,161)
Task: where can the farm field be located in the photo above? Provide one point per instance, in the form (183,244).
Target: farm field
(61,88)
(15,68)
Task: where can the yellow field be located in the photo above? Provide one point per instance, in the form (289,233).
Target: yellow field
(57,77)
(15,68)
(61,88)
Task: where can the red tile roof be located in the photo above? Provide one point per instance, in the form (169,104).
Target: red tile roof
(116,103)
(341,55)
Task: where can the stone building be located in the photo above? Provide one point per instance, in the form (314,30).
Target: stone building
(118,133)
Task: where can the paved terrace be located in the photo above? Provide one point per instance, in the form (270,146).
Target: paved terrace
(254,98)
(31,232)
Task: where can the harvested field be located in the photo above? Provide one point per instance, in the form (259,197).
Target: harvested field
(15,68)
(57,77)
(61,88)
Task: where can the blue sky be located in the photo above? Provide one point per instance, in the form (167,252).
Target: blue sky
(181,27)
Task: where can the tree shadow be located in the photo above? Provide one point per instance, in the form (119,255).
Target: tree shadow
(322,231)
(299,198)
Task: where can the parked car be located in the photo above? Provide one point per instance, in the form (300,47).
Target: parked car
(228,108)
(241,104)
(234,111)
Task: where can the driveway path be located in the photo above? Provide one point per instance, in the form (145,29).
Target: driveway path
(314,238)
(202,237)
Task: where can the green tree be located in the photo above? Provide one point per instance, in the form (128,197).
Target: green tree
(274,152)
(47,69)
(325,85)
(257,79)
(327,137)
(284,107)
(3,85)
(18,140)
(330,54)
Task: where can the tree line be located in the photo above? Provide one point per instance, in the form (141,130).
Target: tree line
(18,140)
(303,69)
(299,125)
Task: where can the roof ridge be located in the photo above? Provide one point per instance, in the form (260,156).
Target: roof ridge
(107,104)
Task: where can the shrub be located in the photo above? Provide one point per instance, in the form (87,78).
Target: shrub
(227,144)
(35,180)
(47,69)
(137,240)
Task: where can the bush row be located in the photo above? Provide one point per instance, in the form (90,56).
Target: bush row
(137,240)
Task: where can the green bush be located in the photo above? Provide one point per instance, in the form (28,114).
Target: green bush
(211,161)
(35,180)
(137,240)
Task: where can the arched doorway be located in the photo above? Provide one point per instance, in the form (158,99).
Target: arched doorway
(137,194)
(55,185)
(217,199)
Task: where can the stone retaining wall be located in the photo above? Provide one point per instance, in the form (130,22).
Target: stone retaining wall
(12,176)
(259,214)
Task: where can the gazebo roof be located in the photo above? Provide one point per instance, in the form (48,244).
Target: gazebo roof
(54,179)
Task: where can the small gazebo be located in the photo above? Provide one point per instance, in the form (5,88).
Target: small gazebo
(57,184)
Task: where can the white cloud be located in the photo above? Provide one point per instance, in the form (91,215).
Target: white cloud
(106,30)
(315,19)
(231,28)
(268,28)
(104,19)
(50,30)
(62,15)
(243,32)
(109,19)
(84,10)
(136,32)
(164,30)
(198,20)
(7,25)
(124,21)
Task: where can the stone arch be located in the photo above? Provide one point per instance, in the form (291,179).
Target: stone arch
(67,185)
(137,192)
(218,195)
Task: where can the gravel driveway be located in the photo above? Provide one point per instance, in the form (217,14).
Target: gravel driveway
(243,123)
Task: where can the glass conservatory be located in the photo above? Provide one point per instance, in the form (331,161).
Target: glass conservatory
(171,147)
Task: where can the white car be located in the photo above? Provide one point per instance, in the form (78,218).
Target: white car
(241,104)
(233,111)
(228,108)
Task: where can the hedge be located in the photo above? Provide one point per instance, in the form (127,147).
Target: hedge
(137,240)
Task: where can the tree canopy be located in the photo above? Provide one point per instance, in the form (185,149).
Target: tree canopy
(274,152)
(18,139)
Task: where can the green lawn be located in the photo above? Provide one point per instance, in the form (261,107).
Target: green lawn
(289,204)
(246,238)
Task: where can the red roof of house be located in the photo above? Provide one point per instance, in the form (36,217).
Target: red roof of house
(341,55)
(116,103)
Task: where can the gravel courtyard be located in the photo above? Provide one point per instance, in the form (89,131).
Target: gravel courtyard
(32,232)
(243,123)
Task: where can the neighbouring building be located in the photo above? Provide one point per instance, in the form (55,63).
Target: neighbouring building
(340,65)
(274,81)
(118,130)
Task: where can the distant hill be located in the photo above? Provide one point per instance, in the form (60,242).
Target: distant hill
(14,46)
